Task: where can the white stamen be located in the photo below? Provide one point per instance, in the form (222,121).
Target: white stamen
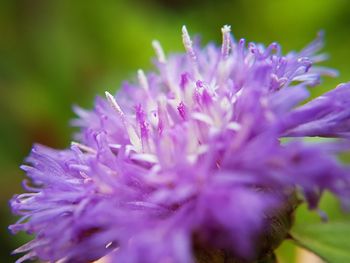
(109,244)
(203,118)
(161,58)
(234,126)
(188,44)
(192,158)
(149,158)
(115,106)
(159,51)
(155,169)
(134,139)
(142,79)
(130,149)
(226,42)
(83,147)
(114,146)
(200,150)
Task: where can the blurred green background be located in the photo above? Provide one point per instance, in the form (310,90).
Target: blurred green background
(54,54)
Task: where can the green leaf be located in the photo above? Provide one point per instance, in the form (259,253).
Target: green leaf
(331,241)
(286,252)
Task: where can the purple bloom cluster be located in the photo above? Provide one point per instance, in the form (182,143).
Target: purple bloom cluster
(190,157)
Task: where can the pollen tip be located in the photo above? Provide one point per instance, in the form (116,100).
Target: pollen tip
(108,96)
(83,147)
(226,42)
(187,40)
(159,51)
(113,103)
(142,79)
(226,29)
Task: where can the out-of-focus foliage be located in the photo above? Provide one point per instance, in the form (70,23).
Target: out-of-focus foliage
(329,240)
(57,53)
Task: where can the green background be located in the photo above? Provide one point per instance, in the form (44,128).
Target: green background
(54,54)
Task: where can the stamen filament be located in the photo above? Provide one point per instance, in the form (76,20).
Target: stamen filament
(83,147)
(226,41)
(188,44)
(115,106)
(142,79)
(134,139)
(159,51)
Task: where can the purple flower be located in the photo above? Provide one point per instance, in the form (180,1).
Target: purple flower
(190,159)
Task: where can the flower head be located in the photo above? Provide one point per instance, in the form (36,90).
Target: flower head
(189,159)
